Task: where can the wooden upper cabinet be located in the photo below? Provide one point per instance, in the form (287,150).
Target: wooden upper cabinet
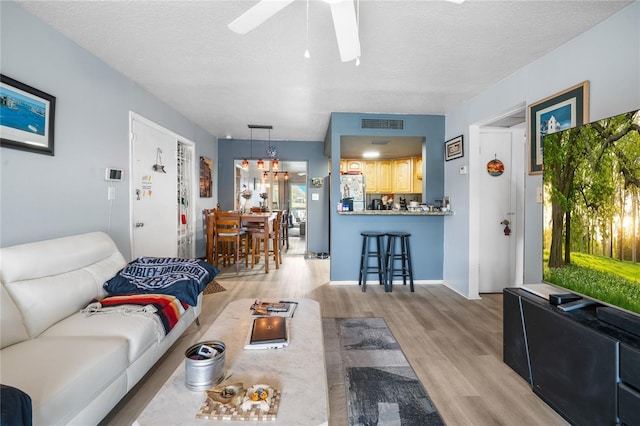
(354,166)
(418,168)
(403,175)
(385,176)
(417,174)
(371,176)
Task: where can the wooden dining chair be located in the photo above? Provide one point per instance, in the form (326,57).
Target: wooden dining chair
(209,221)
(268,240)
(284,229)
(230,239)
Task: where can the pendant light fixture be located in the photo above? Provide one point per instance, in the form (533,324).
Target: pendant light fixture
(260,164)
(245,164)
(286,175)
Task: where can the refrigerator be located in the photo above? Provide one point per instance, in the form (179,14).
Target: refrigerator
(352,187)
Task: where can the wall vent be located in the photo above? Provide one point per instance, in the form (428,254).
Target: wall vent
(382,124)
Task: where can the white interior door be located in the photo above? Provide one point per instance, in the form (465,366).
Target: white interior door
(497,251)
(153,192)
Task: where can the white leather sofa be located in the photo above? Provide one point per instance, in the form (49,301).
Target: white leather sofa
(74,367)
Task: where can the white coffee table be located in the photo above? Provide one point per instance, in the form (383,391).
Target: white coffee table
(297,371)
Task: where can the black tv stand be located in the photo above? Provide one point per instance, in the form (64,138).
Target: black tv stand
(585,368)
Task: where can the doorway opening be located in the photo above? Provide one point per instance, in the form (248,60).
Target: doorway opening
(268,189)
(496,203)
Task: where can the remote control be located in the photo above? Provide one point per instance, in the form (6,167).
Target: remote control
(566,307)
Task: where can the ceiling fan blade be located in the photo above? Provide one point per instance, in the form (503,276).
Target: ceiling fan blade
(255,16)
(346,26)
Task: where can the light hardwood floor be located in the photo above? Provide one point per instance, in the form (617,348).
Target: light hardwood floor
(453,344)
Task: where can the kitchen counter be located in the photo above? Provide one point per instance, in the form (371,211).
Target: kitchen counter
(394,213)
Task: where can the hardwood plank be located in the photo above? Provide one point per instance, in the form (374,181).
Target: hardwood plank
(453,344)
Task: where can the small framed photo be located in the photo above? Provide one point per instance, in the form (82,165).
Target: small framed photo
(560,111)
(453,148)
(316,182)
(27,117)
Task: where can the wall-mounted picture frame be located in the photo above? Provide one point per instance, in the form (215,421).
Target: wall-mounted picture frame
(316,182)
(453,148)
(28,117)
(557,112)
(206,174)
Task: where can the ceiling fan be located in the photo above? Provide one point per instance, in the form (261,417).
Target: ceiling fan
(343,12)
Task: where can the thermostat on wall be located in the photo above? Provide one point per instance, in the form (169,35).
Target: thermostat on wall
(113,174)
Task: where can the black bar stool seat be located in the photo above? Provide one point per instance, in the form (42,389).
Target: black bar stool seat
(391,256)
(365,265)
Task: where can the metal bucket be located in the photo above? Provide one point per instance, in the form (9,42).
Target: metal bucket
(202,371)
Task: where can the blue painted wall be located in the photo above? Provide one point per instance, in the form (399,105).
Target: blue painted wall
(614,88)
(47,197)
(427,233)
(317,163)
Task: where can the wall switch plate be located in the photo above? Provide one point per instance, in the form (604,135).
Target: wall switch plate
(539,195)
(315,197)
(463,170)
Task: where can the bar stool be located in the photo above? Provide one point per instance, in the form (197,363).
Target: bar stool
(391,256)
(366,254)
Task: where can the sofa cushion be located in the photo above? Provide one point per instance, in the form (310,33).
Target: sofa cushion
(54,257)
(140,331)
(50,280)
(62,375)
(12,329)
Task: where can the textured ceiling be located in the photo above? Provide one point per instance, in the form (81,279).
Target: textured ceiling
(419,57)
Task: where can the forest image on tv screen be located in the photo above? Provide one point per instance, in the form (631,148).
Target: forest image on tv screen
(591,237)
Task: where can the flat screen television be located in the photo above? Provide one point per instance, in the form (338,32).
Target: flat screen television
(591,226)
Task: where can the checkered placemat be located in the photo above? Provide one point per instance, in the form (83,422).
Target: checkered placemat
(213,410)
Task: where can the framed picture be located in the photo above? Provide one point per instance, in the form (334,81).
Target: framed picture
(561,111)
(206,173)
(453,148)
(27,117)
(316,182)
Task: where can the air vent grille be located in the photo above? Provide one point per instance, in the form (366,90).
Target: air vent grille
(386,124)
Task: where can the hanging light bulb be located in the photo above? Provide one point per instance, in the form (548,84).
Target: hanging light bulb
(286,175)
(358,61)
(275,164)
(275,176)
(265,175)
(260,164)
(245,164)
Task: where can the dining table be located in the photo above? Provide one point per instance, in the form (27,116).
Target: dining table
(266,219)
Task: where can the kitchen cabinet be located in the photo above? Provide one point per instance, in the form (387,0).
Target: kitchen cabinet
(371,176)
(352,166)
(417,174)
(385,176)
(403,175)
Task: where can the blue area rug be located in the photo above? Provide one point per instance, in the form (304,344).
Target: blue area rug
(381,387)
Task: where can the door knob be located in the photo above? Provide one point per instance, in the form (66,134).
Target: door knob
(139,224)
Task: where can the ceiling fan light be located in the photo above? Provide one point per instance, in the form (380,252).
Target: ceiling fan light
(275,164)
(260,164)
(245,164)
(275,176)
(265,175)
